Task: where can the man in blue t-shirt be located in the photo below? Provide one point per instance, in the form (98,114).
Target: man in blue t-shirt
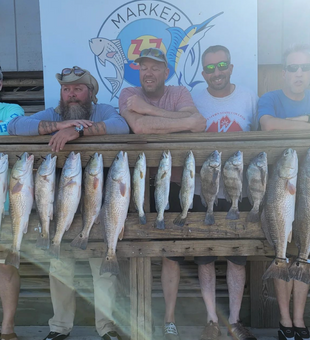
(289,109)
(9,277)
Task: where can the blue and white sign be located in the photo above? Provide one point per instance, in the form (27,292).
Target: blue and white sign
(105,37)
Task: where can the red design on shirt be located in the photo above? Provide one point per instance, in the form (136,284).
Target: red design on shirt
(224,125)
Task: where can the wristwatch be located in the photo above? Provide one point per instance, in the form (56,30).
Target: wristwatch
(80,130)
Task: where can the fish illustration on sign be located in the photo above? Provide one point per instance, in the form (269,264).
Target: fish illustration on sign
(181,48)
(111,51)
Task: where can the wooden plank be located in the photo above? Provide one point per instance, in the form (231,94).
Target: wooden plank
(193,229)
(22,96)
(155,248)
(133,298)
(147,298)
(22,82)
(31,109)
(141,300)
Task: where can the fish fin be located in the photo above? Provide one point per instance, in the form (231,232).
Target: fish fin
(300,271)
(160,224)
(191,205)
(102,62)
(109,265)
(80,241)
(13,258)
(215,175)
(54,250)
(122,188)
(263,173)
(250,195)
(97,219)
(121,234)
(43,241)
(167,206)
(253,216)
(117,42)
(25,227)
(277,270)
(289,239)
(233,214)
(111,54)
(180,198)
(265,227)
(142,219)
(227,197)
(203,201)
(240,197)
(291,187)
(115,83)
(17,188)
(209,219)
(179,221)
(216,201)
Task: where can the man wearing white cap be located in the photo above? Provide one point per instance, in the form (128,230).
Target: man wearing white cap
(78,114)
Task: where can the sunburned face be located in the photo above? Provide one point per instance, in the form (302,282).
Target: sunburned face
(296,82)
(152,77)
(75,102)
(219,81)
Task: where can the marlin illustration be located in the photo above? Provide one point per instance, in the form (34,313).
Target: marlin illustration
(181,47)
(111,51)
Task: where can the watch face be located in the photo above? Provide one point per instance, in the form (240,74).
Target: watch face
(78,129)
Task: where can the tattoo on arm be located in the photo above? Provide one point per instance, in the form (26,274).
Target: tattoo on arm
(96,129)
(47,127)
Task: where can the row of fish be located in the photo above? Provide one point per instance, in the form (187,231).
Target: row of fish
(210,175)
(282,218)
(22,192)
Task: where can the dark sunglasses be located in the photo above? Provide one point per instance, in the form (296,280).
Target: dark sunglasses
(75,69)
(222,66)
(295,67)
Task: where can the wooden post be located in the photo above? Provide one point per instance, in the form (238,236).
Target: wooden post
(140,298)
(264,304)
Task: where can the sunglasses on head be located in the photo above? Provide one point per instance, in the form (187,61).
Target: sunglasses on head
(295,67)
(75,69)
(153,52)
(222,66)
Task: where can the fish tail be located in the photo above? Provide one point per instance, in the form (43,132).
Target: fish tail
(277,270)
(233,214)
(179,220)
(160,224)
(54,250)
(43,241)
(13,258)
(209,219)
(109,265)
(253,216)
(142,219)
(300,271)
(80,241)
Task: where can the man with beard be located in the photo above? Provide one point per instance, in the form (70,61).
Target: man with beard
(156,108)
(9,276)
(226,107)
(76,116)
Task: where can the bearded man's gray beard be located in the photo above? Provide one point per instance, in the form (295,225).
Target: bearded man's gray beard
(78,111)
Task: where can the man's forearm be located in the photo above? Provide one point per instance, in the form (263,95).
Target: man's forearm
(97,129)
(47,127)
(157,112)
(269,123)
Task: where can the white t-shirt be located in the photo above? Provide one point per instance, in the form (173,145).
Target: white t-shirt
(236,112)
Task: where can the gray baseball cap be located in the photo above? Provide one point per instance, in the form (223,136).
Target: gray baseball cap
(153,53)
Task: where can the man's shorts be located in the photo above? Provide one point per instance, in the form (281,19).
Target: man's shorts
(222,205)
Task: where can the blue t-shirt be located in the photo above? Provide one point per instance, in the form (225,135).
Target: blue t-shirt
(8,112)
(277,104)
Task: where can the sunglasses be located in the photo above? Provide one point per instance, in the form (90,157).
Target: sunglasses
(75,69)
(222,66)
(295,67)
(153,52)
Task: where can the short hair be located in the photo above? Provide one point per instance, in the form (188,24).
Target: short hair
(304,48)
(214,49)
(1,74)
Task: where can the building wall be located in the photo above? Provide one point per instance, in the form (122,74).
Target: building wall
(280,23)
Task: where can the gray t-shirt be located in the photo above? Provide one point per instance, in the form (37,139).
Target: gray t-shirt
(28,126)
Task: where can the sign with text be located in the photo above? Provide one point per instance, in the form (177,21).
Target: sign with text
(105,37)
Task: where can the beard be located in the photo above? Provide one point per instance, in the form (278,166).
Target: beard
(78,111)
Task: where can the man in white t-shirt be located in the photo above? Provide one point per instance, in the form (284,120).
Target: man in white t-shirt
(226,107)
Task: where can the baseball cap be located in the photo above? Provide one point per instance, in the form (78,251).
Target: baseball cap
(153,53)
